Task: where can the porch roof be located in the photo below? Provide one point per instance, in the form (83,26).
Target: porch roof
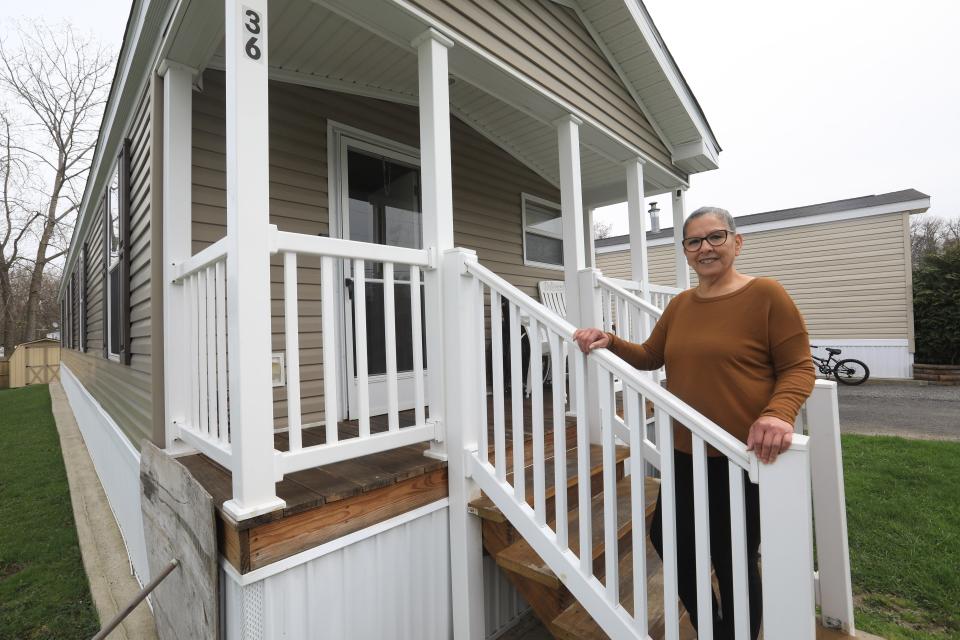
(506,107)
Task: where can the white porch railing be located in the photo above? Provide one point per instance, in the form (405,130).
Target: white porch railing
(784,487)
(205,424)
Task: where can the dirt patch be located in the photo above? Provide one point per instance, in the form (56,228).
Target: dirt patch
(900,612)
(8,569)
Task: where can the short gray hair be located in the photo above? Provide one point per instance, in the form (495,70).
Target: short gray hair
(723,214)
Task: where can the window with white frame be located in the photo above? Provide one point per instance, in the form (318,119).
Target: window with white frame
(112,247)
(542,233)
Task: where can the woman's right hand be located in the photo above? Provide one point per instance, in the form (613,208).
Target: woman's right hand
(590,339)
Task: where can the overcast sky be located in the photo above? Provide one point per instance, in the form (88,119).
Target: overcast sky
(811,102)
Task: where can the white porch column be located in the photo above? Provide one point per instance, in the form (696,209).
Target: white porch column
(248,260)
(638,226)
(177,208)
(571,207)
(679,215)
(437,204)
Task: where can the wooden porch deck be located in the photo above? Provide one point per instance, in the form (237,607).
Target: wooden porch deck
(326,503)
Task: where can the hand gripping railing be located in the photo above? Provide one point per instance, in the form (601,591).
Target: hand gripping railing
(784,486)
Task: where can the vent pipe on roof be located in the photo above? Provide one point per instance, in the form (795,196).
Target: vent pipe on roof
(654,218)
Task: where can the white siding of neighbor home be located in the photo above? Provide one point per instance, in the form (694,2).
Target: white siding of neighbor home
(487,188)
(849,278)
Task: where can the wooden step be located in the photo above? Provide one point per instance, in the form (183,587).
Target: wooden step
(576,624)
(486,509)
(520,557)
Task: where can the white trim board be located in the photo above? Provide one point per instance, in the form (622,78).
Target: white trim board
(335,545)
(850,214)
(112,454)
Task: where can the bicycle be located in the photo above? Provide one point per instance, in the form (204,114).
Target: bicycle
(847,371)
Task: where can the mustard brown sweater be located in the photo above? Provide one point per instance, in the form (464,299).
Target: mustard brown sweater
(733,358)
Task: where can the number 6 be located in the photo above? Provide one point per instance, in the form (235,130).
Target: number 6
(253,51)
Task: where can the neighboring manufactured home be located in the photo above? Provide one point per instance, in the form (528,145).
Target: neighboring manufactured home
(303,265)
(846,263)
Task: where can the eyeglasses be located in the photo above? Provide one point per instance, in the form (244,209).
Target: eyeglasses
(714,239)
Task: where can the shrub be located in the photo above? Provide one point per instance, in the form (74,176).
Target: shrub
(936,307)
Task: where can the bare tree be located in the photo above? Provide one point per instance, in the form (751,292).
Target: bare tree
(926,236)
(601,229)
(57,82)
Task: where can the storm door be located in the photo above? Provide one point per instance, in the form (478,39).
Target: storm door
(380,204)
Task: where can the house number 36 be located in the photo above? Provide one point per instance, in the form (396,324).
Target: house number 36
(253,38)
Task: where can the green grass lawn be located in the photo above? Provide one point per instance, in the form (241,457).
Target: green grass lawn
(903,517)
(44,591)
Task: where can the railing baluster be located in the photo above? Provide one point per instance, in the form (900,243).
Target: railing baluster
(536,416)
(583,465)
(559,440)
(496,361)
(330,363)
(610,555)
(701,518)
(668,517)
(360,338)
(292,348)
(516,397)
(416,323)
(211,355)
(223,411)
(390,331)
(204,409)
(193,348)
(480,340)
(638,505)
(738,550)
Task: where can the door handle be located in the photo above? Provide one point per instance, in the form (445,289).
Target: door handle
(348,283)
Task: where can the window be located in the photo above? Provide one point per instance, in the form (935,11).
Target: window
(542,233)
(112,248)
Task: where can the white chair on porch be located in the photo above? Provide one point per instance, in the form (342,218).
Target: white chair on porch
(553,297)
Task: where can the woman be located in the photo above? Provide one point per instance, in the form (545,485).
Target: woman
(736,349)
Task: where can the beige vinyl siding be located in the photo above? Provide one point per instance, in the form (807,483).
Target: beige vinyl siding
(95,284)
(550,45)
(123,392)
(849,278)
(140,200)
(487,188)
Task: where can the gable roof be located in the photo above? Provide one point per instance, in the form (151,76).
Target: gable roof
(899,198)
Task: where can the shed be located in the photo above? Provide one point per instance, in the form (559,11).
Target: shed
(36,362)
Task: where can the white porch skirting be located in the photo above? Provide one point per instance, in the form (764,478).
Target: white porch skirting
(117,464)
(885,358)
(391,580)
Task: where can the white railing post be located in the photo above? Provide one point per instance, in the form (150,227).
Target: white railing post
(592,315)
(437,204)
(786,544)
(830,507)
(177,209)
(249,238)
(463,426)
(679,259)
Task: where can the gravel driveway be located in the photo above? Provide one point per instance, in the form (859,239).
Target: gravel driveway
(908,410)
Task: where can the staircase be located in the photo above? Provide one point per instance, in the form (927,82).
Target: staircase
(549,599)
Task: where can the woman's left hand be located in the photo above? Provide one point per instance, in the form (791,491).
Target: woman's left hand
(769,437)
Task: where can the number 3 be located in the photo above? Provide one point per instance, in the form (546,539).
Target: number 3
(253,24)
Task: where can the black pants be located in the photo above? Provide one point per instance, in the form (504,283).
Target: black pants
(719,489)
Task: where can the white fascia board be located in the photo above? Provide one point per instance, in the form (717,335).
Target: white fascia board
(913,206)
(673,75)
(134,69)
(698,149)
